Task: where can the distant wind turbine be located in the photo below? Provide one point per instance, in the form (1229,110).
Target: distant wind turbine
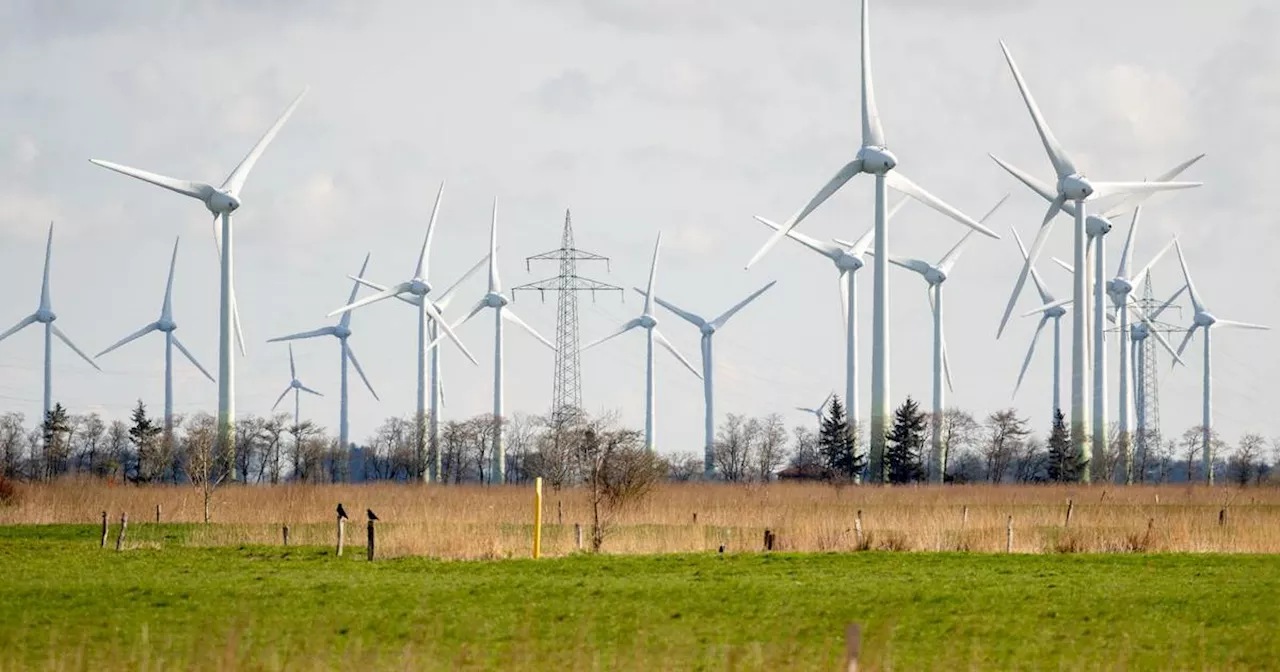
(818,412)
(708,329)
(297,388)
(221,201)
(167,326)
(649,323)
(342,332)
(45,315)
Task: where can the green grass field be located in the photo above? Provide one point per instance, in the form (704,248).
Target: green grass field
(66,604)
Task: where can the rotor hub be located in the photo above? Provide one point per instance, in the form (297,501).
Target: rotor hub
(45,316)
(935,276)
(1056,311)
(848,262)
(1120,287)
(295,384)
(341,331)
(707,329)
(648,321)
(1075,187)
(166,325)
(419,287)
(495,300)
(1205,319)
(220,202)
(1096,225)
(1139,331)
(877,160)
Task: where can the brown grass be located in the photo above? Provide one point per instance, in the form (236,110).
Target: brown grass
(495,522)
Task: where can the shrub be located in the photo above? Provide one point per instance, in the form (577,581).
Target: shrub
(9,493)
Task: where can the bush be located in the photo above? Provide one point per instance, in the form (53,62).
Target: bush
(9,493)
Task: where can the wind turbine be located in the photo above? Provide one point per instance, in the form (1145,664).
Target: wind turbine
(1074,186)
(297,388)
(1051,309)
(1205,321)
(818,412)
(848,259)
(874,158)
(649,323)
(221,201)
(342,332)
(709,329)
(1139,331)
(167,326)
(418,288)
(935,275)
(498,301)
(45,315)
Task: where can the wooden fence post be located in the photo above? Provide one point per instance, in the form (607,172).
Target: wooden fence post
(285,533)
(537,517)
(857,529)
(964,517)
(342,534)
(371,542)
(1222,517)
(157,513)
(559,512)
(1070,507)
(768,540)
(124,523)
(104,530)
(852,646)
(577,535)
(1008,536)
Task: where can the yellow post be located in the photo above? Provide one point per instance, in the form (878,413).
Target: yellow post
(537,517)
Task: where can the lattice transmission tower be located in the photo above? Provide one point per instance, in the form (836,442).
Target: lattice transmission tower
(566,388)
(1146,383)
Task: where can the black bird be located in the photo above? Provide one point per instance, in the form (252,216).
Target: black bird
(371,514)
(342,513)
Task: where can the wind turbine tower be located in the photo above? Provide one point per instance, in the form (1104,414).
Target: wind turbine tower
(566,386)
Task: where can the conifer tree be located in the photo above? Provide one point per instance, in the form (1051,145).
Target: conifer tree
(54,430)
(838,444)
(1065,464)
(904,445)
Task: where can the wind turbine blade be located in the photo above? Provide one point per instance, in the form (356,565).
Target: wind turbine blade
(191,358)
(197,190)
(448,294)
(1042,237)
(515,319)
(1186,339)
(235,181)
(323,331)
(1065,265)
(420,272)
(826,401)
(946,365)
(24,322)
(1186,276)
(1044,190)
(1030,351)
(825,249)
(952,255)
(1045,295)
(1156,313)
(495,284)
(235,317)
(166,309)
(1137,199)
(45,301)
(1062,164)
(632,324)
(1104,189)
(844,175)
(355,288)
(685,315)
(384,294)
(862,244)
(304,388)
(351,355)
(63,337)
(1142,274)
(1048,306)
(434,314)
(281,397)
(724,317)
(131,337)
(844,300)
(662,340)
(367,283)
(1233,324)
(653,276)
(917,265)
(475,310)
(293,372)
(872,132)
(1128,244)
(904,184)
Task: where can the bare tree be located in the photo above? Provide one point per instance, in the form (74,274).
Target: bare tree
(960,433)
(1030,462)
(1247,462)
(732,452)
(684,466)
(619,472)
(770,447)
(13,444)
(1005,434)
(805,458)
(206,468)
(1192,439)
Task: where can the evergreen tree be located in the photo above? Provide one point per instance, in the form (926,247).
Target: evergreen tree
(1065,465)
(145,433)
(54,429)
(904,445)
(838,444)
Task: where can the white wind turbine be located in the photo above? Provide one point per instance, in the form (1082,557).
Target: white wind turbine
(848,259)
(297,388)
(649,323)
(1072,185)
(45,315)
(417,288)
(342,332)
(498,301)
(820,411)
(1051,309)
(875,159)
(935,275)
(709,329)
(1205,321)
(167,326)
(221,201)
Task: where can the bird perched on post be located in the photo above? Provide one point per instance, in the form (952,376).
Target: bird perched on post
(342,513)
(371,514)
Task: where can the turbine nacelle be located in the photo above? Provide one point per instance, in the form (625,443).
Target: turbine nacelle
(1095,226)
(166,325)
(295,384)
(877,160)
(221,202)
(1119,288)
(848,261)
(1139,331)
(707,328)
(647,321)
(1204,319)
(418,287)
(1055,312)
(934,276)
(495,300)
(342,331)
(45,316)
(1075,187)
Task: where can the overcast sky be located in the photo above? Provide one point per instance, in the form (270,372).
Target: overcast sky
(640,116)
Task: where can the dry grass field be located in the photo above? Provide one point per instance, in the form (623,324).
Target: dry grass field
(470,522)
